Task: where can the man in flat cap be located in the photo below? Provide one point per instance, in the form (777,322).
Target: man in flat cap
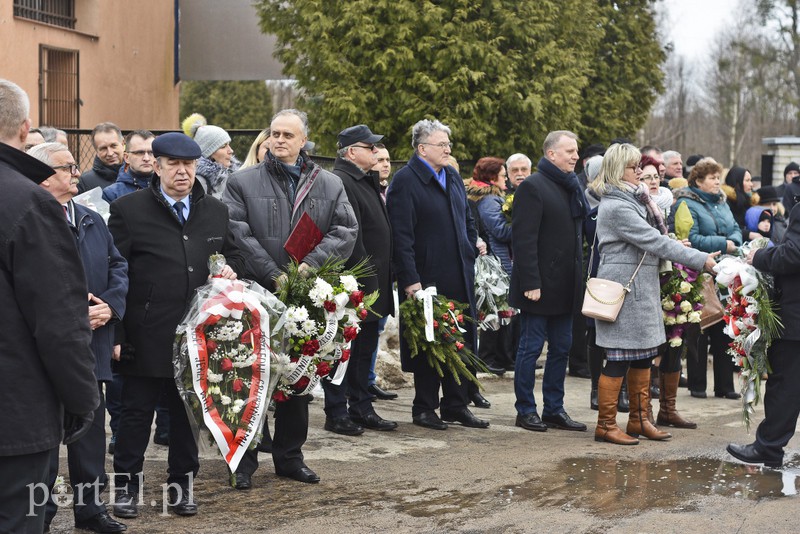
(167,233)
(266,203)
(357,155)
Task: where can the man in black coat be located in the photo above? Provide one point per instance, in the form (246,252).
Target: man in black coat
(48,366)
(782,398)
(109,145)
(166,233)
(357,155)
(434,242)
(549,208)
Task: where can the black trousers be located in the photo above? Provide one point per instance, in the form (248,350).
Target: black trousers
(356,380)
(86,461)
(782,398)
(291,432)
(140,395)
(697,359)
(426,390)
(24,491)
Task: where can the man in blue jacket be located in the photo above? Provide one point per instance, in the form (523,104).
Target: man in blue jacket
(107,279)
(434,240)
(782,398)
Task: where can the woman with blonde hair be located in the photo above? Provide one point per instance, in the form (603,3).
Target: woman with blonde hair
(631,236)
(257,150)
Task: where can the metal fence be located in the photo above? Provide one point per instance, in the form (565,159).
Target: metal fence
(80,144)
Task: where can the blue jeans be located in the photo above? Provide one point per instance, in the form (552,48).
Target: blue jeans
(534,330)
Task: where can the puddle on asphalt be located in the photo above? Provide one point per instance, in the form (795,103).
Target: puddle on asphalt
(611,487)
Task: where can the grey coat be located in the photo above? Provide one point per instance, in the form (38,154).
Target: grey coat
(623,235)
(262,219)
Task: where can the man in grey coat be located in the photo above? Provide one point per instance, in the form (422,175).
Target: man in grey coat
(265,204)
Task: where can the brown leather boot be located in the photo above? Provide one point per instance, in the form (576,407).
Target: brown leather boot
(607,429)
(667,413)
(639,392)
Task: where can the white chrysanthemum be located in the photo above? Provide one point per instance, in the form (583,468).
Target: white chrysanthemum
(229,332)
(292,328)
(309,327)
(214,378)
(244,361)
(686,306)
(236,408)
(349,283)
(321,292)
(225,400)
(296,314)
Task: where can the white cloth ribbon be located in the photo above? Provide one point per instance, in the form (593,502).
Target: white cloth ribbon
(426,296)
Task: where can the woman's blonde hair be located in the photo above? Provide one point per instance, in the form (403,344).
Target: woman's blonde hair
(616,158)
(702,169)
(252,155)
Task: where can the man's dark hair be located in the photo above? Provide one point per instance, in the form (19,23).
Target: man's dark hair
(144,134)
(104,127)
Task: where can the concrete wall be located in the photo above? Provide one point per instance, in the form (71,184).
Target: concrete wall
(126,60)
(784,150)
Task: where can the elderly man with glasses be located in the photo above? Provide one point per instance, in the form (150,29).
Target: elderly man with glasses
(434,242)
(107,279)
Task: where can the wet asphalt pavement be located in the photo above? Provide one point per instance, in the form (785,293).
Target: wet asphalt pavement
(500,480)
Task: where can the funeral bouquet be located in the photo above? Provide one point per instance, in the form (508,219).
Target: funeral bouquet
(751,321)
(508,206)
(681,300)
(433,326)
(324,307)
(222,360)
(491,293)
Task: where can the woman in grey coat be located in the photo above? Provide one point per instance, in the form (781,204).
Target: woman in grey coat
(630,231)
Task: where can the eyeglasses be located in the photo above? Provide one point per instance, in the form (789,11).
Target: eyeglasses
(72,167)
(649,178)
(140,153)
(635,168)
(440,145)
(368,147)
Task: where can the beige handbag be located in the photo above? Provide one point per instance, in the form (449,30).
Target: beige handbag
(713,309)
(603,298)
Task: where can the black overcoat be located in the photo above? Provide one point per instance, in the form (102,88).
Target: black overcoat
(47,365)
(546,241)
(374,238)
(434,238)
(166,263)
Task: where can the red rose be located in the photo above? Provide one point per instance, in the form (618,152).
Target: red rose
(676,298)
(280,396)
(453,330)
(329,306)
(310,347)
(362,313)
(481,316)
(451,305)
(211,345)
(435,323)
(350,333)
(444,316)
(226,364)
(356,297)
(323,369)
(238,384)
(459,345)
(460,318)
(345,355)
(302,384)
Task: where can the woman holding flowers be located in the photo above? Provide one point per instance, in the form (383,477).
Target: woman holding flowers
(713,229)
(631,234)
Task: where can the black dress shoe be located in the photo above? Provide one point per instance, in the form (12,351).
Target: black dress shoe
(429,420)
(593,400)
(101,522)
(303,474)
(379,393)
(465,417)
(494,368)
(732,395)
(112,443)
(161,438)
(343,425)
(125,505)
(183,505)
(374,422)
(698,394)
(479,400)
(580,372)
(530,421)
(242,481)
(563,421)
(751,455)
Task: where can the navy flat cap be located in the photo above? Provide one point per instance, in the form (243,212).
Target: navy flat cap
(357,134)
(176,145)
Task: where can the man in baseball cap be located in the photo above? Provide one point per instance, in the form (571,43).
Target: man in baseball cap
(358,134)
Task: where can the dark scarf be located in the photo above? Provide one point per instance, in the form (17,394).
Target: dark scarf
(578,207)
(107,172)
(711,198)
(288,174)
